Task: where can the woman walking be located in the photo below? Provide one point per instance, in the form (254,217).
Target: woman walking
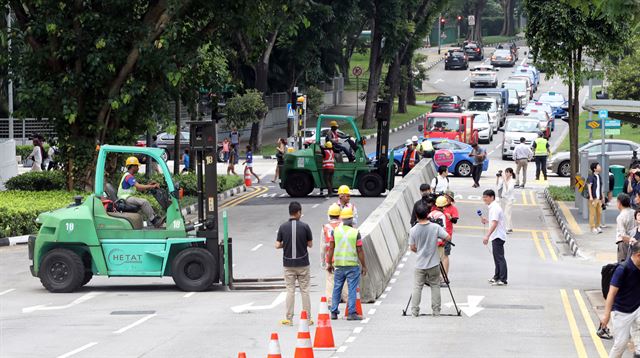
(281,148)
(36,155)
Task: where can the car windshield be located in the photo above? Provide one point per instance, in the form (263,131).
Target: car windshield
(445,99)
(481,106)
(548,98)
(502,53)
(519,86)
(457,54)
(539,116)
(513,93)
(481,118)
(519,125)
(443,124)
(444,145)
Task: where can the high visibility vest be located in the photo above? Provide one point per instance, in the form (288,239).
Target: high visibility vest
(412,158)
(334,135)
(327,233)
(344,253)
(426,146)
(125,193)
(328,159)
(541,147)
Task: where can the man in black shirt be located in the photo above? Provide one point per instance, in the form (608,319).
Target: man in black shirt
(294,237)
(427,200)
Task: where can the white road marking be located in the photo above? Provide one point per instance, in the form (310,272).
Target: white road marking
(407,253)
(315,206)
(377,303)
(397,273)
(470,307)
(491,152)
(404,259)
(136,323)
(393,280)
(383,296)
(366,320)
(78,350)
(77,301)
(283,195)
(465,79)
(187,295)
(350,339)
(342,349)
(357,330)
(499,145)
(250,307)
(400,265)
(7,291)
(372,312)
(388,289)
(256,247)
(439,80)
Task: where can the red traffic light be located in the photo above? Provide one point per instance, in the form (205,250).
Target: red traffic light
(442,20)
(459,18)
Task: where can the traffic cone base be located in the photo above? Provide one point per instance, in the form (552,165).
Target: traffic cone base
(324,334)
(247,177)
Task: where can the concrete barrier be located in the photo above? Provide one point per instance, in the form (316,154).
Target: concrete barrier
(8,164)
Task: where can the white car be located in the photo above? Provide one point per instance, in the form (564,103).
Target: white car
(520,86)
(481,123)
(484,75)
(488,105)
(515,128)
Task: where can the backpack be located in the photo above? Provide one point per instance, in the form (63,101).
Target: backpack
(607,274)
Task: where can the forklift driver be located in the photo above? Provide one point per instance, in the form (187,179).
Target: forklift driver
(334,137)
(128,187)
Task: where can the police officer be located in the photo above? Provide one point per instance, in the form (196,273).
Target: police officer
(344,201)
(540,153)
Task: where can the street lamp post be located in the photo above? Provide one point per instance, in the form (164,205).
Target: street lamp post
(439,33)
(459,21)
(10,82)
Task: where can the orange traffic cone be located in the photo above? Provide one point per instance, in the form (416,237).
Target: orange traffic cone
(242,355)
(247,177)
(274,347)
(303,344)
(324,333)
(358,304)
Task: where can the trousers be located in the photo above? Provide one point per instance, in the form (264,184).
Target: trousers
(595,213)
(432,277)
(625,326)
(302,275)
(521,164)
(476,172)
(329,290)
(541,166)
(350,274)
(499,260)
(142,205)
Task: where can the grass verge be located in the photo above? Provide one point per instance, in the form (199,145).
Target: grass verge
(562,193)
(398,119)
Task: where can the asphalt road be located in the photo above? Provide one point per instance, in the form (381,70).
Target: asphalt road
(135,317)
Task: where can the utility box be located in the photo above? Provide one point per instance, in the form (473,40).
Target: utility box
(618,178)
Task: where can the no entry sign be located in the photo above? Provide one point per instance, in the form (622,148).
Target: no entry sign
(443,157)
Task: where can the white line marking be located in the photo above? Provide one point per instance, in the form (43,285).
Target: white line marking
(499,145)
(439,80)
(400,265)
(491,152)
(315,206)
(372,312)
(350,339)
(250,307)
(388,289)
(366,320)
(256,247)
(342,349)
(404,259)
(77,301)
(136,323)
(397,273)
(383,296)
(7,291)
(377,303)
(189,294)
(393,280)
(78,350)
(465,79)
(357,330)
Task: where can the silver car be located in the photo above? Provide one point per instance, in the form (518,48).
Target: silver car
(488,105)
(503,57)
(484,75)
(620,153)
(481,123)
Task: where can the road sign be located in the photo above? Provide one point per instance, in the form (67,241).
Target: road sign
(579,183)
(592,124)
(612,124)
(443,157)
(603,114)
(290,113)
(612,131)
(472,20)
(357,71)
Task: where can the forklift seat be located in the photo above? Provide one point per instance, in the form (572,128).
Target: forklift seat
(134,219)
(120,204)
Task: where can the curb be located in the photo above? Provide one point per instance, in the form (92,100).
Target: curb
(15,240)
(227,194)
(566,233)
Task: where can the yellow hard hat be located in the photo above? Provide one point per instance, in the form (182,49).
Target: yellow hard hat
(343,189)
(334,210)
(132,161)
(333,124)
(346,213)
(290,150)
(300,99)
(442,201)
(328,145)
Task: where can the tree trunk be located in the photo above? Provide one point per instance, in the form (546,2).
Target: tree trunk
(392,82)
(405,84)
(511,28)
(176,139)
(344,69)
(478,10)
(375,70)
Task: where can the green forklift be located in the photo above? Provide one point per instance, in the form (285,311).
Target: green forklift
(301,172)
(85,239)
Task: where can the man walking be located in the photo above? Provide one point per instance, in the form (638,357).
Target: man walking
(327,234)
(624,300)
(540,153)
(344,201)
(522,154)
(345,251)
(294,237)
(625,226)
(497,234)
(409,159)
(478,154)
(426,200)
(423,240)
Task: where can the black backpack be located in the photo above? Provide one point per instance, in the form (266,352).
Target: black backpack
(607,273)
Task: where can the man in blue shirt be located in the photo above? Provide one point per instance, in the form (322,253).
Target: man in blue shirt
(249,163)
(128,186)
(624,300)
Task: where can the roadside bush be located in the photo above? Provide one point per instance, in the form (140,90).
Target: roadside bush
(562,193)
(38,181)
(19,209)
(189,182)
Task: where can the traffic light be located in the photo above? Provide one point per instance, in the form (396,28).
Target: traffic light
(442,20)
(459,18)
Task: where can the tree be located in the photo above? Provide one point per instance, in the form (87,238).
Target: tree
(244,109)
(624,76)
(508,25)
(563,37)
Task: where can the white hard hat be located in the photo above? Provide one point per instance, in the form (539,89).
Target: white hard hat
(414,138)
(409,142)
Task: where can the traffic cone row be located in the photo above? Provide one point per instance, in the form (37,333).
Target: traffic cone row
(358,304)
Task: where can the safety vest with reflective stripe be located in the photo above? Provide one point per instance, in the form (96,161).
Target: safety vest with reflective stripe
(125,193)
(426,146)
(412,158)
(344,253)
(541,147)
(327,160)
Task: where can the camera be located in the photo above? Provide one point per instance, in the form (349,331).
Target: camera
(499,173)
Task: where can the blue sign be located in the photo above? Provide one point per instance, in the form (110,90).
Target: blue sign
(612,124)
(603,114)
(290,113)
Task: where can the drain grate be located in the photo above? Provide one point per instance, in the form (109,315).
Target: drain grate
(132,312)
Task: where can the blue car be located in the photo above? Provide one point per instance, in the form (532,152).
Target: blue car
(462,163)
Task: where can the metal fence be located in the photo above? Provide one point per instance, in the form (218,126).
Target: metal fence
(24,128)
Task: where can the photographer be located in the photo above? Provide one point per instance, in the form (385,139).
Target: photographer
(631,186)
(505,185)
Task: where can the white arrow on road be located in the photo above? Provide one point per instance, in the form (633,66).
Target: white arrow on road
(250,307)
(471,307)
(77,301)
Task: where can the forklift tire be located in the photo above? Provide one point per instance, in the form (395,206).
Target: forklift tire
(194,269)
(371,184)
(298,185)
(88,275)
(61,271)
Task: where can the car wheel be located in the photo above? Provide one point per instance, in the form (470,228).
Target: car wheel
(463,169)
(396,167)
(564,169)
(505,157)
(371,184)
(61,271)
(299,184)
(194,269)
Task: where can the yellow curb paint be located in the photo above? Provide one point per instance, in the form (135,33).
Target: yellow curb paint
(524,198)
(532,194)
(573,326)
(571,220)
(536,241)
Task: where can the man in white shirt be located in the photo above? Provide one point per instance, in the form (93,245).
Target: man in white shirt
(522,154)
(496,234)
(440,183)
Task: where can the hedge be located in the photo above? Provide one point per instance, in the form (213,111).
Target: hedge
(562,193)
(25,150)
(38,181)
(189,181)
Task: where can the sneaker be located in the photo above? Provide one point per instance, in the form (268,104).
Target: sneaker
(415,314)
(436,313)
(509,231)
(286,322)
(354,317)
(334,315)
(492,281)
(599,230)
(498,283)
(443,284)
(594,231)
(603,226)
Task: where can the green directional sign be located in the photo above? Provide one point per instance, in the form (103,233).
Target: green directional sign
(612,131)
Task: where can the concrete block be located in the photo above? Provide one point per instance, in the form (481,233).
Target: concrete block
(8,164)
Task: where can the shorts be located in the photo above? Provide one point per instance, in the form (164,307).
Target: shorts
(249,165)
(447,248)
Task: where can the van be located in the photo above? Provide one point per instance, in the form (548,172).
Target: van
(521,88)
(527,79)
(502,95)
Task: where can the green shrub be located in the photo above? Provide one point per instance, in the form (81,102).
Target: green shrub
(38,181)
(19,209)
(562,193)
(189,182)
(25,150)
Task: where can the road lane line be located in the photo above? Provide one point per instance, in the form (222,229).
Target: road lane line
(532,194)
(465,79)
(315,206)
(573,326)
(239,200)
(377,303)
(388,289)
(77,301)
(400,265)
(78,350)
(371,312)
(357,330)
(7,291)
(491,152)
(366,320)
(536,241)
(439,80)
(383,296)
(256,247)
(350,339)
(571,221)
(342,349)
(524,198)
(592,328)
(187,295)
(393,280)
(136,323)
(545,236)
(476,202)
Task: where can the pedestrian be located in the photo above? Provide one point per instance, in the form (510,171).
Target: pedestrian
(328,167)
(497,235)
(186,160)
(248,163)
(623,300)
(225,149)
(327,234)
(233,158)
(294,238)
(540,153)
(625,225)
(594,187)
(636,234)
(36,155)
(345,251)
(281,148)
(452,215)
(425,191)
(52,154)
(478,154)
(505,188)
(440,183)
(344,201)
(522,155)
(409,159)
(155,168)
(234,137)
(632,186)
(423,240)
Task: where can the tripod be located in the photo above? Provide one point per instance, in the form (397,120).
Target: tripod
(445,277)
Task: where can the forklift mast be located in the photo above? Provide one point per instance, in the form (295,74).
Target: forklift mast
(383,117)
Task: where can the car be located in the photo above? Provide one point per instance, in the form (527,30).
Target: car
(456,59)
(620,153)
(526,79)
(559,105)
(530,68)
(542,107)
(544,118)
(520,87)
(448,104)
(512,47)
(462,163)
(515,103)
(525,72)
(488,105)
(166,141)
(485,130)
(474,51)
(502,97)
(503,57)
(484,75)
(515,128)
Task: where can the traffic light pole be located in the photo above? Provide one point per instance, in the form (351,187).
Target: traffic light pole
(439,33)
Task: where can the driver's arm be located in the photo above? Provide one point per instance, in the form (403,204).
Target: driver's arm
(145,187)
